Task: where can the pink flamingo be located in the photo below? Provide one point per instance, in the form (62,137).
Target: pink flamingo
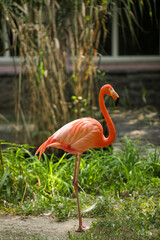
(79,135)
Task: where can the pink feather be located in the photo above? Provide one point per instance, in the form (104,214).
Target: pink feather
(75,137)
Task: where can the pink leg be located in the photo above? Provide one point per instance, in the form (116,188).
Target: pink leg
(75,184)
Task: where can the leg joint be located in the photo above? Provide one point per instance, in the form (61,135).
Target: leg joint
(75,183)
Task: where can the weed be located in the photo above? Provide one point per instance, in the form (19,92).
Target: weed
(124,220)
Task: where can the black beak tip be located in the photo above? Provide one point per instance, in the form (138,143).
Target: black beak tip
(116,102)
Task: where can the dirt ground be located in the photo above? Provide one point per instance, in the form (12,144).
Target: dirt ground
(37,227)
(143,124)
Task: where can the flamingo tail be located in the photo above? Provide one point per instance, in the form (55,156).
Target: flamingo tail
(43,147)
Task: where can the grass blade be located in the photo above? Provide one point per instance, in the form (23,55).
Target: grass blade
(4,177)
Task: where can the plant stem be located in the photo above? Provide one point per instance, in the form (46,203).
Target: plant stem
(1,161)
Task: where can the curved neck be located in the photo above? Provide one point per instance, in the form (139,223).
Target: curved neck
(112,132)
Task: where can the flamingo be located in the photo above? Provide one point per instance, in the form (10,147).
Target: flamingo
(82,134)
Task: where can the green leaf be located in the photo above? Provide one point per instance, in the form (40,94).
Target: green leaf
(87,18)
(74,78)
(73,97)
(4,177)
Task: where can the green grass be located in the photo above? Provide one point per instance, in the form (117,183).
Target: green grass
(128,217)
(126,223)
(125,185)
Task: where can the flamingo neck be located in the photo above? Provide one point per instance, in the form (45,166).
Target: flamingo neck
(112,132)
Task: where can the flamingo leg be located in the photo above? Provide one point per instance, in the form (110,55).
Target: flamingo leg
(75,184)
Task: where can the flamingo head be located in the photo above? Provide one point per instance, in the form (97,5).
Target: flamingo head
(109,90)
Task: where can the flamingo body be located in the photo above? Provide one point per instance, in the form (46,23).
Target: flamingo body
(76,137)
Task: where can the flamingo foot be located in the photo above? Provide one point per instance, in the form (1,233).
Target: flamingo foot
(82,229)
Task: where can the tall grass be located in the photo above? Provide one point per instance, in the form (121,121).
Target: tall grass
(37,185)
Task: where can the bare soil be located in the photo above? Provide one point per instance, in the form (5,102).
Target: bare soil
(143,124)
(37,227)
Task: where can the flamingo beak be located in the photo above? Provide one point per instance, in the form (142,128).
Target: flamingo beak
(117,101)
(115,96)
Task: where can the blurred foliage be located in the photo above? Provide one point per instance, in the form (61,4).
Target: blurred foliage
(50,36)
